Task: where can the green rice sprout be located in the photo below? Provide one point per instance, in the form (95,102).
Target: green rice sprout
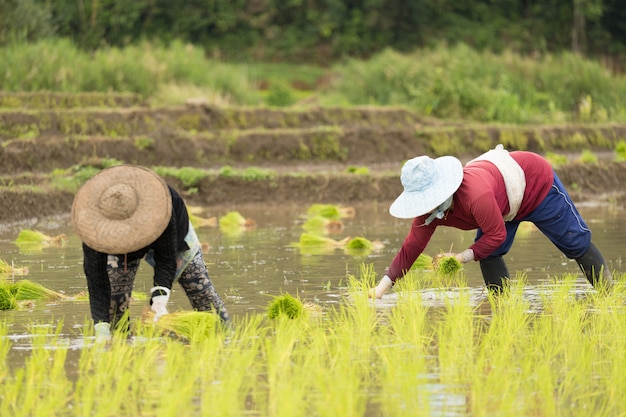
(448,266)
(285,305)
(28,290)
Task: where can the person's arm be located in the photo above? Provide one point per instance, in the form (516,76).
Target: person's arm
(98,285)
(488,217)
(412,247)
(165,252)
(414,244)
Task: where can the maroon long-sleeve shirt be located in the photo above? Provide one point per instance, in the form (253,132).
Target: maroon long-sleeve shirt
(480,202)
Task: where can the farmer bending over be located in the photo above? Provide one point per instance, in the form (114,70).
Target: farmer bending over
(493,193)
(126,213)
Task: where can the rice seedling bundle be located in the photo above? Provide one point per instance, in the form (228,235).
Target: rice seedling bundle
(27,236)
(198,221)
(28,290)
(330,211)
(5,268)
(321,225)
(360,243)
(193,325)
(7,298)
(314,241)
(285,305)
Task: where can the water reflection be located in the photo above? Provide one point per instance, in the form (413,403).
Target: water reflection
(248,268)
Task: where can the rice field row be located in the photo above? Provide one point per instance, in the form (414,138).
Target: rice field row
(561,354)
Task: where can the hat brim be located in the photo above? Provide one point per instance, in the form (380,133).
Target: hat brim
(447,179)
(149,219)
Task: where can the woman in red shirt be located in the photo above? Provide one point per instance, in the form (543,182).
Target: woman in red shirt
(493,194)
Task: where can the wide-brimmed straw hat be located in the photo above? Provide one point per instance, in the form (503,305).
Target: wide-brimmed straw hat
(427,183)
(122,209)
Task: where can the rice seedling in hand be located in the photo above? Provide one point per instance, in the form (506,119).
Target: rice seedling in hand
(5,268)
(446,264)
(285,305)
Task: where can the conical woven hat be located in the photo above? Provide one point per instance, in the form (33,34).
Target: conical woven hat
(122,209)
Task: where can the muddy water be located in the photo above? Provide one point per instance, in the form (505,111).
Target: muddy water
(247,269)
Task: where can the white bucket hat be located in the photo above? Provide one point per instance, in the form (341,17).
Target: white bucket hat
(427,183)
(122,209)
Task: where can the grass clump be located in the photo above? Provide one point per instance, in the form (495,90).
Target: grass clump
(285,305)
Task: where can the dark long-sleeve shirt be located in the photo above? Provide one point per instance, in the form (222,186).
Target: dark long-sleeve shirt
(165,247)
(480,202)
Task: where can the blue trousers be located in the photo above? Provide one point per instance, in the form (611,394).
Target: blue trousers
(558,219)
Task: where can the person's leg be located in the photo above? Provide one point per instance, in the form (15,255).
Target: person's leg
(495,273)
(121,276)
(199,288)
(494,269)
(559,220)
(595,268)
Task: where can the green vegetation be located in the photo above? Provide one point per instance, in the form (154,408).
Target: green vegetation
(449,82)
(620,151)
(464,357)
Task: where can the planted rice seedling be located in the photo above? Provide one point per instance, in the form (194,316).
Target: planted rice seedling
(513,354)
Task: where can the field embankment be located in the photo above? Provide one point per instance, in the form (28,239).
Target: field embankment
(228,156)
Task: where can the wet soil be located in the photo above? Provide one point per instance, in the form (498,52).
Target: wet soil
(312,154)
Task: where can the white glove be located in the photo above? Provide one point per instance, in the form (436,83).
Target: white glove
(103,332)
(382,287)
(158,303)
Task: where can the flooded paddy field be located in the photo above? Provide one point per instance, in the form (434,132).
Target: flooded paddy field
(357,339)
